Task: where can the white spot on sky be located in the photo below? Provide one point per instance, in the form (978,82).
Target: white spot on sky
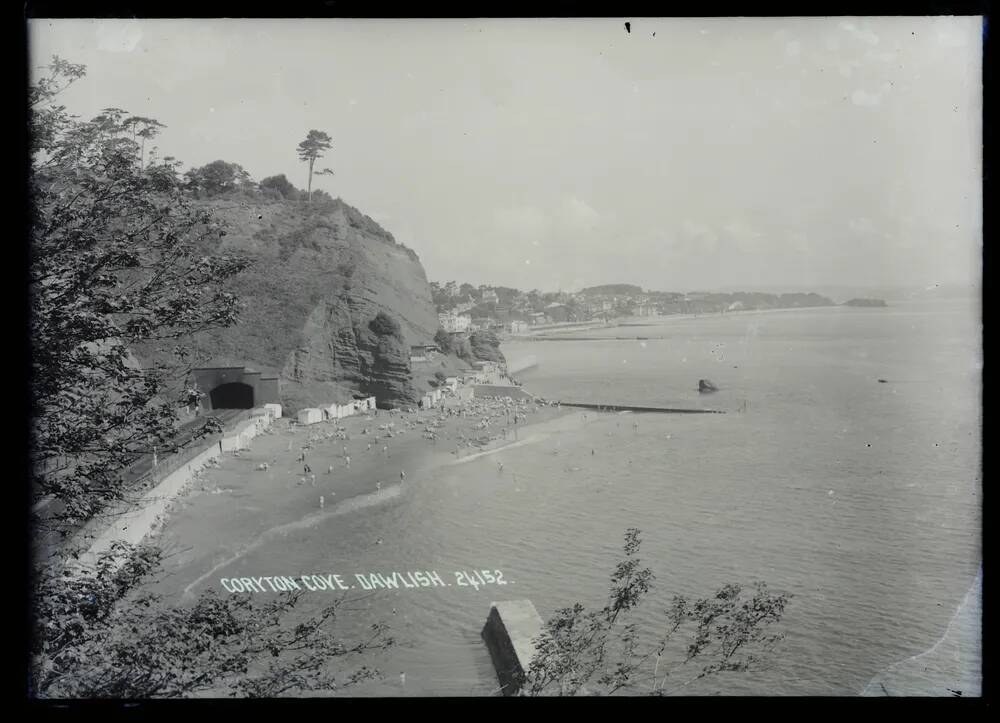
(860,97)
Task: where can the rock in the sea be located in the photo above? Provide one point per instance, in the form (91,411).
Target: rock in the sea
(705,385)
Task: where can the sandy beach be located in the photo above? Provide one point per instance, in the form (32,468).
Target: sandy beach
(295,476)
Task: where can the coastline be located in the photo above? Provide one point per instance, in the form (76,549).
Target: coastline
(646,321)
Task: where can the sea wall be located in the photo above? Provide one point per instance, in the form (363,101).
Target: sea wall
(132,524)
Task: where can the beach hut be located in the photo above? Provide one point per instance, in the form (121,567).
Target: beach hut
(274,409)
(310,416)
(261,418)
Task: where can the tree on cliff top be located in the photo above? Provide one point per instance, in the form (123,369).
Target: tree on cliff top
(116,262)
(217,178)
(311,149)
(281,184)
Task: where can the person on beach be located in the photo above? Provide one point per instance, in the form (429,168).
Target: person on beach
(322,501)
(307,468)
(378,487)
(329,470)
(385,451)
(402,476)
(348,460)
(500,467)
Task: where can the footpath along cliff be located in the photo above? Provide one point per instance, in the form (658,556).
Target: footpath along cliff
(320,275)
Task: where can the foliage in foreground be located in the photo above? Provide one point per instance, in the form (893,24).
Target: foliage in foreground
(601,651)
(95,638)
(118,262)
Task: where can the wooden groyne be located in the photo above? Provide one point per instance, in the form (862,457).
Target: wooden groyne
(595,338)
(631,408)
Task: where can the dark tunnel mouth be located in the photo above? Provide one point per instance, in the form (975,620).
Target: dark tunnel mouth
(232,395)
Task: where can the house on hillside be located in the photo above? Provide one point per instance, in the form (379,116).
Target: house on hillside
(454,323)
(423,352)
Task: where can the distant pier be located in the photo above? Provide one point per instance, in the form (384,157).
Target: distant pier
(630,408)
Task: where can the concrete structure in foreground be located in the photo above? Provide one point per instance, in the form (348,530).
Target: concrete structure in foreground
(509,633)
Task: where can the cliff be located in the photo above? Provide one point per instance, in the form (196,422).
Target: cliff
(319,276)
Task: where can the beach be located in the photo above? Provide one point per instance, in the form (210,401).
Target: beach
(296,476)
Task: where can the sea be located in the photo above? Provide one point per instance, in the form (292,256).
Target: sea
(845,473)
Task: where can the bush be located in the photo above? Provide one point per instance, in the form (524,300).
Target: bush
(384,325)
(281,185)
(443,340)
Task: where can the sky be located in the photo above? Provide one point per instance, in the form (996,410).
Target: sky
(686,154)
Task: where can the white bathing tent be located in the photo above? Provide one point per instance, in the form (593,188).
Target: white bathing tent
(310,416)
(274,409)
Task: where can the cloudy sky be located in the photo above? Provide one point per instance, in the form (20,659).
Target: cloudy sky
(686,154)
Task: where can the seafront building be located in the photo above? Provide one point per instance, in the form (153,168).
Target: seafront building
(454,323)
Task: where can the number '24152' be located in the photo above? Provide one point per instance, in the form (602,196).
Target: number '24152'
(477,578)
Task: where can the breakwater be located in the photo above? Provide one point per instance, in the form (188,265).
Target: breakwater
(594,338)
(632,408)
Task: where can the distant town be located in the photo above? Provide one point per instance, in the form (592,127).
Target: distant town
(466,308)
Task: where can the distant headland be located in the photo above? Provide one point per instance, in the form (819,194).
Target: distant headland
(865,302)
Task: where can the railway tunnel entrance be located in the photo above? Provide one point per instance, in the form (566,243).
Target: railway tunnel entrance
(235,388)
(233,395)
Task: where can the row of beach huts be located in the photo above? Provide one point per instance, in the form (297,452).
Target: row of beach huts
(314,415)
(433,398)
